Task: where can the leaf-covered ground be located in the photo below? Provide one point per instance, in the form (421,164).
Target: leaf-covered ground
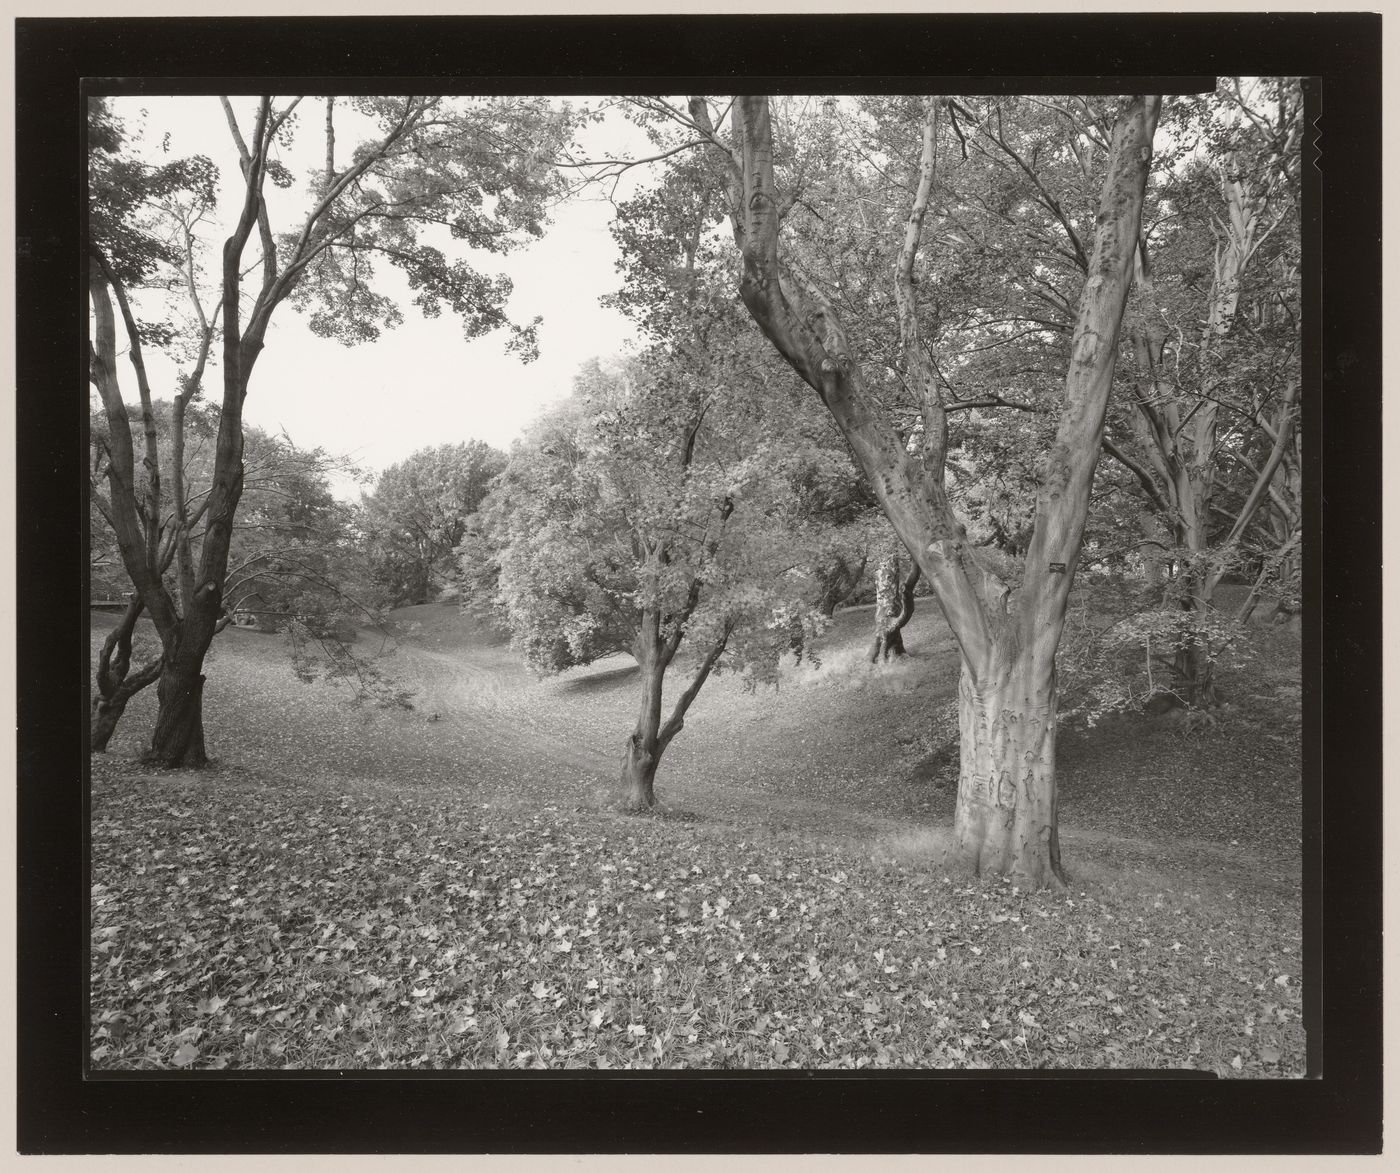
(449,886)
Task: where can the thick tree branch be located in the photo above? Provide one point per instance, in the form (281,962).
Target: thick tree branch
(1063,500)
(683,702)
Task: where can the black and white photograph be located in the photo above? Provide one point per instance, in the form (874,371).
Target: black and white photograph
(596,581)
(692,581)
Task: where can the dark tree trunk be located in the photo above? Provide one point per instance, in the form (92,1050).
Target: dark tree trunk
(115,686)
(639,763)
(106,715)
(840,584)
(889,643)
(178,739)
(650,739)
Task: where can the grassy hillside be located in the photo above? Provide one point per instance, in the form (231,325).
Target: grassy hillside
(449,885)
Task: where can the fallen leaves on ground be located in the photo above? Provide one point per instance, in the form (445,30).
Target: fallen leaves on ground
(354,889)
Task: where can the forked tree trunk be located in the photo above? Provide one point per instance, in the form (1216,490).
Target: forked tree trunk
(643,751)
(651,736)
(1006,818)
(894,607)
(178,739)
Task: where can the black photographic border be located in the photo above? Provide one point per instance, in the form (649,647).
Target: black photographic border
(1336,1110)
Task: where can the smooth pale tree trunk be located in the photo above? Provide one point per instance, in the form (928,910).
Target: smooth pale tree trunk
(894,607)
(1006,820)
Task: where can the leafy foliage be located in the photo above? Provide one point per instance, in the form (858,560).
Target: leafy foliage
(418,515)
(129,199)
(647,492)
(1128,658)
(318,653)
(471,172)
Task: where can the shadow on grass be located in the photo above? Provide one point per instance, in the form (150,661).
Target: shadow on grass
(599,681)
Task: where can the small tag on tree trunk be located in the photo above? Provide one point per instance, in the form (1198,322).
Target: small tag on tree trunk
(1057,568)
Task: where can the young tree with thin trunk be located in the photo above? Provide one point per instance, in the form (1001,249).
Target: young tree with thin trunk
(424,168)
(646,516)
(1006,820)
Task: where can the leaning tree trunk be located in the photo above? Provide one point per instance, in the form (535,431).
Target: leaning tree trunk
(116,684)
(106,715)
(1006,821)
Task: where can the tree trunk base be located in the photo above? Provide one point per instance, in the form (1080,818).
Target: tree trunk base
(178,739)
(1006,819)
(106,715)
(638,777)
(886,646)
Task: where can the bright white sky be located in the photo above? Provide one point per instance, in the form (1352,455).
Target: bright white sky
(420,384)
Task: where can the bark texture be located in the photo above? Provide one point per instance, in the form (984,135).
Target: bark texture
(178,739)
(1006,820)
(644,749)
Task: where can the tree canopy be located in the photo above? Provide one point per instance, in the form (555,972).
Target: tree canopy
(417,515)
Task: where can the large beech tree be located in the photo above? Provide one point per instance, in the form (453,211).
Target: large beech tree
(423,171)
(1008,633)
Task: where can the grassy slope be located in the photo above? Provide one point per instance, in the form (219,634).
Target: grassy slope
(448,886)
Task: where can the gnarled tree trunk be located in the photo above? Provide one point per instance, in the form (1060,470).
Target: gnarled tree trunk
(116,684)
